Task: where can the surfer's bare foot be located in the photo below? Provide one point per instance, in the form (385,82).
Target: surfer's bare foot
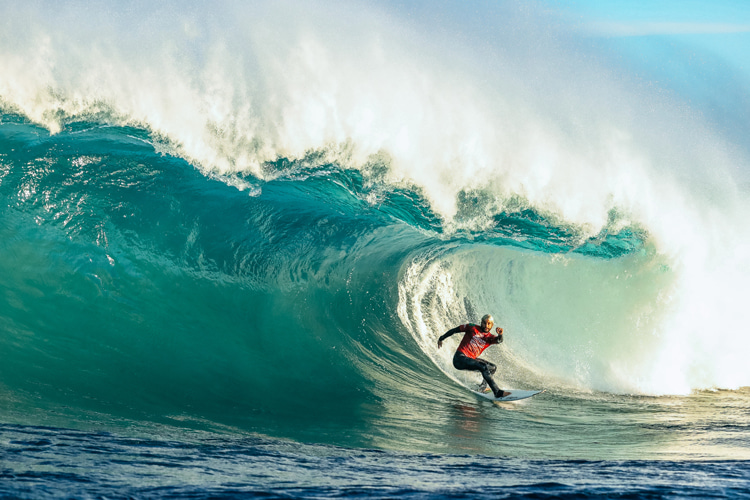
(501,394)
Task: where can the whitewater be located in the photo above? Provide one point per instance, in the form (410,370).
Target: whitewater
(230,236)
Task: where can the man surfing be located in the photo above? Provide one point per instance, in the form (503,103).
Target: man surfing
(477,339)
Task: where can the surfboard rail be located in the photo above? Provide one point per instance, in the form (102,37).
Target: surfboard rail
(515,395)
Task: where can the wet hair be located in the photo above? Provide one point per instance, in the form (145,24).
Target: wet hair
(488,317)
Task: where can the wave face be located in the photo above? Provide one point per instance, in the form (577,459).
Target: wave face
(229,217)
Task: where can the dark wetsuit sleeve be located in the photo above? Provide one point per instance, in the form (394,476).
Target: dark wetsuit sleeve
(450,332)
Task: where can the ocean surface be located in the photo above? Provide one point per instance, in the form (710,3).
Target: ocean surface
(228,247)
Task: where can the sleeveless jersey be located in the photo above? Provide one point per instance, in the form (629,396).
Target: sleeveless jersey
(475,341)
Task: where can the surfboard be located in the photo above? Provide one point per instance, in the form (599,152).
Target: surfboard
(515,395)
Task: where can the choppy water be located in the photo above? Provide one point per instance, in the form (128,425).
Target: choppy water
(236,295)
(57,463)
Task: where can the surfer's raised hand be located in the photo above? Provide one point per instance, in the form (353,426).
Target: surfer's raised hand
(499,337)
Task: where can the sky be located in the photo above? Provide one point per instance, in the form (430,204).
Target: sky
(699,50)
(718,27)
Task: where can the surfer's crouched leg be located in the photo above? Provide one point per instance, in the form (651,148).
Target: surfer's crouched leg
(463,362)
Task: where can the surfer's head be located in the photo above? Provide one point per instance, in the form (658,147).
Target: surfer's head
(487,322)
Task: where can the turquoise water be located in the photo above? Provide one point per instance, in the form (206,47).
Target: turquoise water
(192,340)
(139,290)
(226,258)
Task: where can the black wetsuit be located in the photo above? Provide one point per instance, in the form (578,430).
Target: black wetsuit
(462,362)
(474,342)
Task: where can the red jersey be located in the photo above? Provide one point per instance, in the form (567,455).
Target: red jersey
(475,340)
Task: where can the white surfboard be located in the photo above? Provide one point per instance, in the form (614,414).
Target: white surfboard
(515,395)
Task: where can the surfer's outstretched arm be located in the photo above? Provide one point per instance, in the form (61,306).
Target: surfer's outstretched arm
(447,334)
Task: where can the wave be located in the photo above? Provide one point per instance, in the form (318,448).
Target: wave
(223,218)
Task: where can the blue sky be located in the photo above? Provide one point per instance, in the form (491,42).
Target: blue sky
(720,28)
(698,49)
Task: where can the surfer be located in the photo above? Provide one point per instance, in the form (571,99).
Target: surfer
(477,339)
